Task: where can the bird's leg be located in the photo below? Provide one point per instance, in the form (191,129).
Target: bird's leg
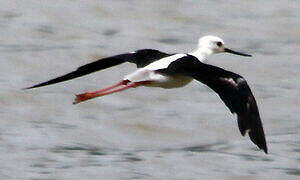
(90,95)
(124,82)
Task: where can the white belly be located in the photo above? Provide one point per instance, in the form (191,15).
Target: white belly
(169,81)
(158,79)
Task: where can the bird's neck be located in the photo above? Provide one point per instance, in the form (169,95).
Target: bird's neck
(202,54)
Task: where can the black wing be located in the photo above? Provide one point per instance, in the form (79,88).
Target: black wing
(141,58)
(232,89)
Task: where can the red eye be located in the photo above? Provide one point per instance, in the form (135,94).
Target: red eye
(219,44)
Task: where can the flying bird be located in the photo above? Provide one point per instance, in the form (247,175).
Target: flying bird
(160,69)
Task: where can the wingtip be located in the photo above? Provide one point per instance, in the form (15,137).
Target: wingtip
(264,148)
(26,88)
(259,139)
(30,87)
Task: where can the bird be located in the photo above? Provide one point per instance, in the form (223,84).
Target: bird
(159,69)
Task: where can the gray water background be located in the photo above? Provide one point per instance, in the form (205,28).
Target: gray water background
(145,133)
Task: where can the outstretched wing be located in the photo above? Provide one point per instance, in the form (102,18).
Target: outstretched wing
(232,89)
(141,58)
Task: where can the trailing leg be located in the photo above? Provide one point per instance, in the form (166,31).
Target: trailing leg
(90,95)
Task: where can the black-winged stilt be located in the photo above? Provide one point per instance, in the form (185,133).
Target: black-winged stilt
(159,69)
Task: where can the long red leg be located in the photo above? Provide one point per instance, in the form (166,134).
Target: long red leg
(90,95)
(124,82)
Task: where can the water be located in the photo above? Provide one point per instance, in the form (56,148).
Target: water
(145,133)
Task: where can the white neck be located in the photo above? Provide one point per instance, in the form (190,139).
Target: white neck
(202,54)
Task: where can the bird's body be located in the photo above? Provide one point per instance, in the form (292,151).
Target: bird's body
(159,69)
(163,80)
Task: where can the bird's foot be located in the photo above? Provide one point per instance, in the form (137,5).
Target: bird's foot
(82,97)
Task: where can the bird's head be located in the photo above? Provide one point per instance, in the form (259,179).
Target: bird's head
(213,45)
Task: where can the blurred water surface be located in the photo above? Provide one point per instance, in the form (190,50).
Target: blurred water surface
(144,133)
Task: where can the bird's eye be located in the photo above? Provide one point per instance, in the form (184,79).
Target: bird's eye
(219,44)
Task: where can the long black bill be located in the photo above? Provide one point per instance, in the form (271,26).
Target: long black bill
(237,53)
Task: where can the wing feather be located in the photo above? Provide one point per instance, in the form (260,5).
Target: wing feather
(232,89)
(141,58)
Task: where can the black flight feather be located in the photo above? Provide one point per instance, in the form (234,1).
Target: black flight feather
(141,58)
(232,89)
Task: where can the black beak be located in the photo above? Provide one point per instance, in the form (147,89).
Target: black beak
(237,53)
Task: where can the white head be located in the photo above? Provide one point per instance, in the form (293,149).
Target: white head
(213,44)
(208,45)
